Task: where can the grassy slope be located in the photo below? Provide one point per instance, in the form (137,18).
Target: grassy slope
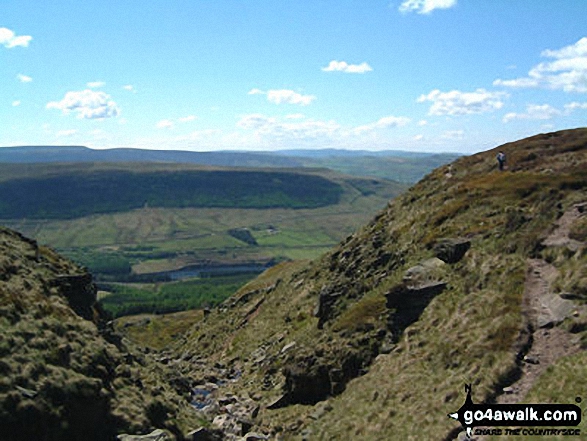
(61,378)
(468,334)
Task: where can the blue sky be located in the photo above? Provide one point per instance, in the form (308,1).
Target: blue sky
(422,75)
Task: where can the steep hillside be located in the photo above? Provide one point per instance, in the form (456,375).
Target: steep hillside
(471,276)
(64,375)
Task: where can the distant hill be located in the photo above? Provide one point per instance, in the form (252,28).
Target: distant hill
(42,191)
(395,165)
(35,154)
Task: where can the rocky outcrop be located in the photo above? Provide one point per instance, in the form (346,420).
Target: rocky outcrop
(80,292)
(408,303)
(451,250)
(155,435)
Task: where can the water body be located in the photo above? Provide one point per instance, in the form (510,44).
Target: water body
(212,271)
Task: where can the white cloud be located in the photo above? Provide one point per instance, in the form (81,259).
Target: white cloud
(289,96)
(129,87)
(24,78)
(9,39)
(271,127)
(453,134)
(188,118)
(87,104)
(567,71)
(422,123)
(533,111)
(65,133)
(284,96)
(418,137)
(295,116)
(15,103)
(165,124)
(383,123)
(95,84)
(343,66)
(283,131)
(425,6)
(199,135)
(575,105)
(456,102)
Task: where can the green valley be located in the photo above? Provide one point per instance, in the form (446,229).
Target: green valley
(136,223)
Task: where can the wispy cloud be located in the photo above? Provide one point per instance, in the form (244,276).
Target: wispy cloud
(570,107)
(456,102)
(188,118)
(88,104)
(453,134)
(24,78)
(65,133)
(343,66)
(165,124)
(272,127)
(425,6)
(130,88)
(288,131)
(534,111)
(383,123)
(95,84)
(567,71)
(295,116)
(170,124)
(284,96)
(9,39)
(16,103)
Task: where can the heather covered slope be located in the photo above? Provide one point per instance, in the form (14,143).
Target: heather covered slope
(63,375)
(376,339)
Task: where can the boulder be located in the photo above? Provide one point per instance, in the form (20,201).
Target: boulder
(424,272)
(451,250)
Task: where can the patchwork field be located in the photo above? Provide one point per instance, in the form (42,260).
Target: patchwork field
(141,221)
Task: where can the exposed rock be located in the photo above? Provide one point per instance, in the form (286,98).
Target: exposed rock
(155,435)
(451,250)
(288,346)
(554,309)
(408,303)
(531,360)
(424,272)
(306,383)
(205,434)
(508,390)
(80,292)
(253,436)
(326,301)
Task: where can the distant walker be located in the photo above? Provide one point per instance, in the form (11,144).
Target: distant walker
(501,160)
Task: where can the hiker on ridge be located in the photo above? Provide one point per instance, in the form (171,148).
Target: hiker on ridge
(501,160)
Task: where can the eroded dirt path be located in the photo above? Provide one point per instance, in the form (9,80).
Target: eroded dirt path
(543,310)
(548,342)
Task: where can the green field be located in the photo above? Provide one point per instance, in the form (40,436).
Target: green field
(122,245)
(123,299)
